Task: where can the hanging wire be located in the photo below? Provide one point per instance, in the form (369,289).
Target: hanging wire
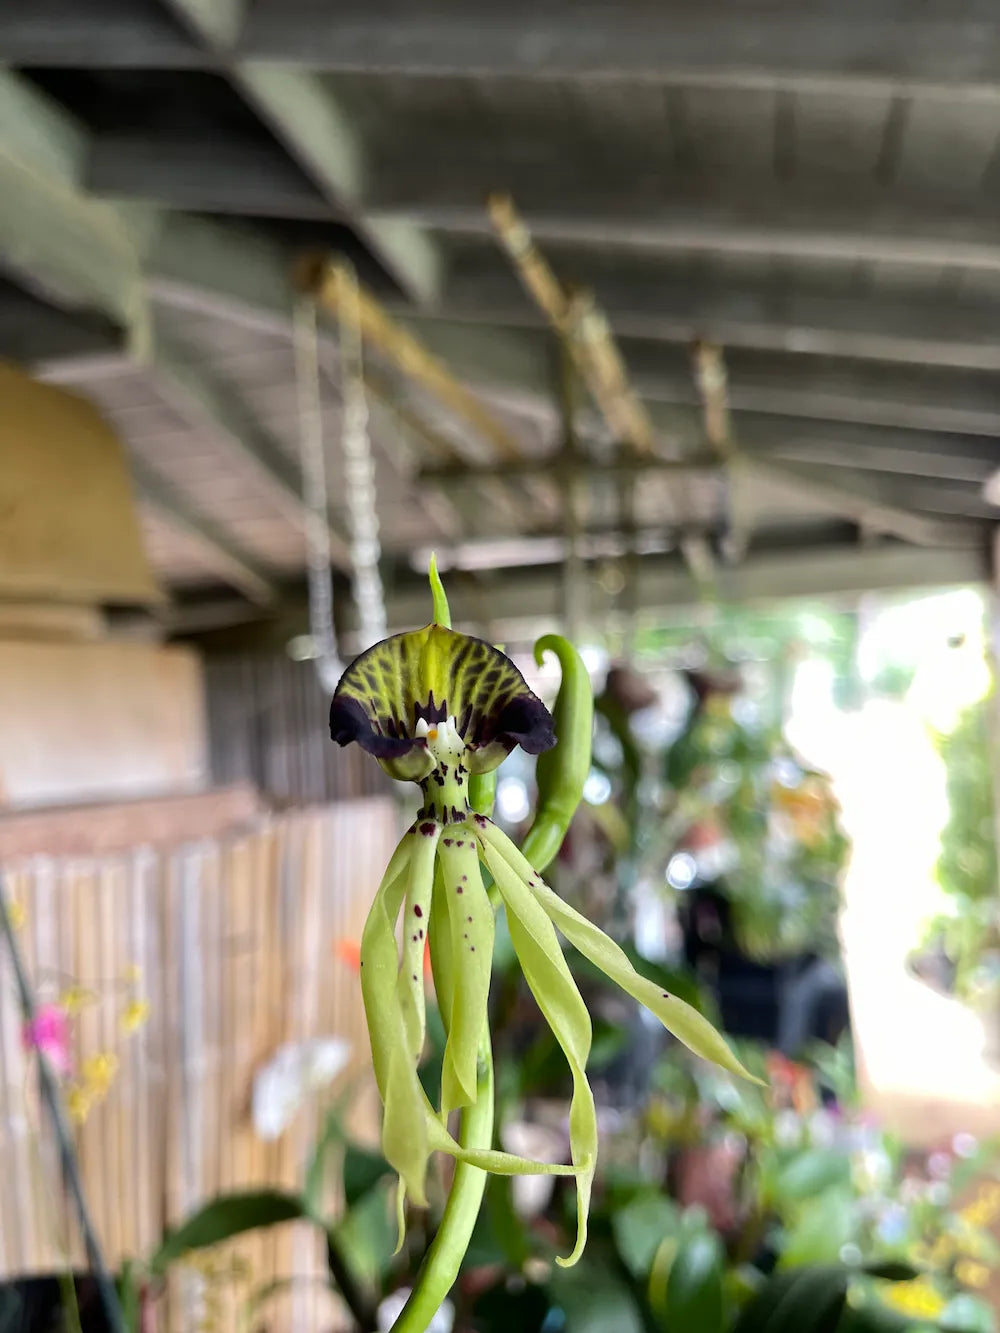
(315,495)
(359,468)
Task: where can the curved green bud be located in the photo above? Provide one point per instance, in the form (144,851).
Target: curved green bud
(562,771)
(442,611)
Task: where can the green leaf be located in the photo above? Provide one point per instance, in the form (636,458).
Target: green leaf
(694,1287)
(639,1229)
(965,1313)
(820,1230)
(506,1306)
(363,1170)
(127,1286)
(512,1233)
(875,1318)
(225,1217)
(332,1134)
(806,1300)
(365,1236)
(594,1299)
(811,1172)
(891,1270)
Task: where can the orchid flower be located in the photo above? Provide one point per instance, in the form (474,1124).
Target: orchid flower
(48,1033)
(441,709)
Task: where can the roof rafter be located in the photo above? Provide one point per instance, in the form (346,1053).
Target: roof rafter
(306,116)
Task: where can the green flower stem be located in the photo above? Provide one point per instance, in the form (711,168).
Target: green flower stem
(561,779)
(483,792)
(440,1268)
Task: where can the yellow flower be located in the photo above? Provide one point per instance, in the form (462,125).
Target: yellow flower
(919,1298)
(132,974)
(75,998)
(98,1073)
(16,915)
(79,1100)
(135,1015)
(972,1274)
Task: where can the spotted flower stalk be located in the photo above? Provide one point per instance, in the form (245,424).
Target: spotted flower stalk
(443,709)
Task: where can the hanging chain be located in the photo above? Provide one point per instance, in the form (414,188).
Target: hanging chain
(359,468)
(315,495)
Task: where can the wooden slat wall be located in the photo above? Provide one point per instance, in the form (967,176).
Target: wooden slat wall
(237,941)
(268,724)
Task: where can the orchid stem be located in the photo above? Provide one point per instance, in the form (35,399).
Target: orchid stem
(441,1265)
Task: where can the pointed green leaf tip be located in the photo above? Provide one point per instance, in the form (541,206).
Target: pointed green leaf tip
(442,611)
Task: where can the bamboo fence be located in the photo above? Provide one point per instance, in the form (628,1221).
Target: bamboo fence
(237,942)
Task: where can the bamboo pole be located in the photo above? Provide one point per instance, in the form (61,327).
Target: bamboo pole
(330,286)
(582,325)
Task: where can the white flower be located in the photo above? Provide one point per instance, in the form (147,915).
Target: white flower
(964,1145)
(823,1129)
(391,1308)
(787,1128)
(280,1088)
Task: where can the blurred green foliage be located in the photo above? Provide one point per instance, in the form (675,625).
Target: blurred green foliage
(967,864)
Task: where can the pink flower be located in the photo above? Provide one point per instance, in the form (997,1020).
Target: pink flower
(48,1033)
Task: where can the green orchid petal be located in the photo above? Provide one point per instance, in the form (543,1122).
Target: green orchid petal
(435,673)
(410,983)
(400,1216)
(678,1017)
(471,923)
(442,966)
(487,1159)
(404,1136)
(439,598)
(547,974)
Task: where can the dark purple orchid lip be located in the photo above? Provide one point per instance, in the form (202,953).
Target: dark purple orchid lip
(432,674)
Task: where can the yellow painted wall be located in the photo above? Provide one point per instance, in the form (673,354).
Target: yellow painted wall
(69,530)
(98,721)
